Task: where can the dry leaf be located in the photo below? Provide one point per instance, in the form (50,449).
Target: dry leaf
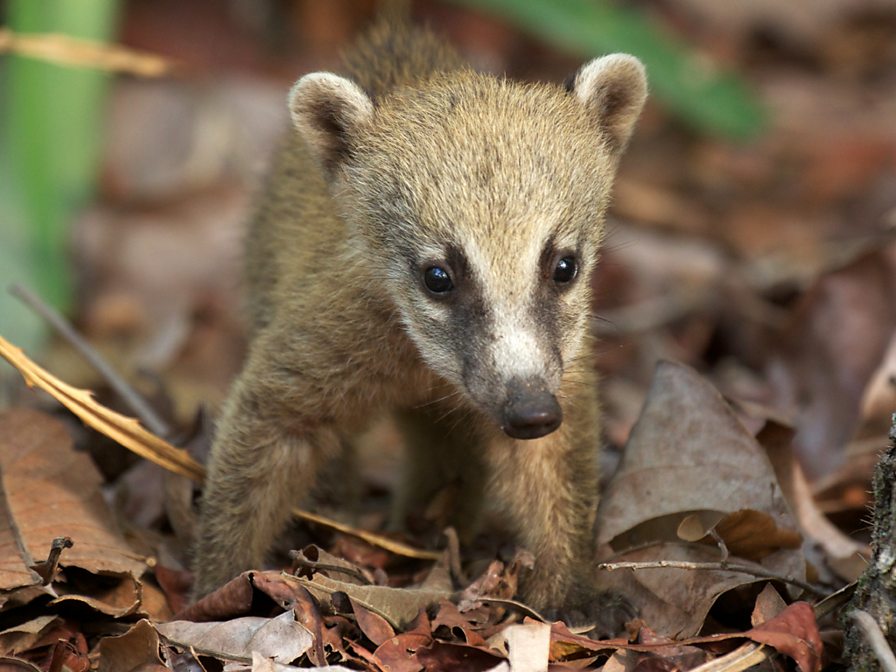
(50,491)
(825,544)
(138,648)
(374,626)
(823,371)
(689,467)
(398,606)
(793,632)
(688,454)
(527,646)
(22,637)
(281,638)
(126,431)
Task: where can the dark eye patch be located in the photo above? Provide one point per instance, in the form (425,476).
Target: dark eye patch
(560,266)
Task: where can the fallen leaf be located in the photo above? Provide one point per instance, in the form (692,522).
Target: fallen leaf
(399,653)
(374,626)
(21,637)
(126,431)
(50,491)
(112,595)
(11,664)
(455,656)
(821,370)
(281,638)
(825,545)
(526,646)
(398,606)
(699,470)
(688,454)
(793,632)
(458,624)
(138,648)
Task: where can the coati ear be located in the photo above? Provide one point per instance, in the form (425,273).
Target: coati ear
(615,87)
(326,110)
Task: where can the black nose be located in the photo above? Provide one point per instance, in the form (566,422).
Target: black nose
(531,413)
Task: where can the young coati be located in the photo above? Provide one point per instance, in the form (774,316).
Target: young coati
(426,244)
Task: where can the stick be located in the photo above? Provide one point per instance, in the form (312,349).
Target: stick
(134,401)
(875,638)
(718,566)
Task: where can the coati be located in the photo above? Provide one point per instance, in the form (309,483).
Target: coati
(426,244)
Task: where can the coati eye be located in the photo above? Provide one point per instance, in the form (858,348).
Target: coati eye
(437,280)
(566,270)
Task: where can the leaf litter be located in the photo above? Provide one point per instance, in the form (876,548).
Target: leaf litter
(330,608)
(766,267)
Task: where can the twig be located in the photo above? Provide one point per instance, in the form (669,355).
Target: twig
(300,560)
(875,638)
(370,537)
(723,547)
(134,401)
(454,563)
(717,566)
(47,569)
(515,604)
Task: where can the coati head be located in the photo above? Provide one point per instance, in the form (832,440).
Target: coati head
(479,202)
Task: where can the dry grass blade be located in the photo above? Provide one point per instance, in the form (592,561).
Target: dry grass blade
(128,432)
(65,50)
(742,658)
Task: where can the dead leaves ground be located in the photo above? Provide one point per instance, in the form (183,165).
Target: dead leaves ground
(723,534)
(742,490)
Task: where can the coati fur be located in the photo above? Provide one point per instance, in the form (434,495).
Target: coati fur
(425,244)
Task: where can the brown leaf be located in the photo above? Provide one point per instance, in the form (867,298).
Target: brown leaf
(138,647)
(399,654)
(793,632)
(231,599)
(458,624)
(769,604)
(374,626)
(115,596)
(126,431)
(687,454)
(281,638)
(23,636)
(397,605)
(824,371)
(455,656)
(691,466)
(50,491)
(828,546)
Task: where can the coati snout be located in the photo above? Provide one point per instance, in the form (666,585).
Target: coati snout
(531,410)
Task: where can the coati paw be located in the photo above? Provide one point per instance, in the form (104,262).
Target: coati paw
(605,612)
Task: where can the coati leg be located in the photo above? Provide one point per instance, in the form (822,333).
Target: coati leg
(264,459)
(442,449)
(547,490)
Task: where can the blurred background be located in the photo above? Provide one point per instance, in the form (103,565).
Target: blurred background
(752,233)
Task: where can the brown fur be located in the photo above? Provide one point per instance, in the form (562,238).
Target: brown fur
(434,160)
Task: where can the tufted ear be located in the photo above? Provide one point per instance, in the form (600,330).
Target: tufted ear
(326,110)
(615,87)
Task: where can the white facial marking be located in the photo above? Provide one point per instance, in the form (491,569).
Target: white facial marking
(508,286)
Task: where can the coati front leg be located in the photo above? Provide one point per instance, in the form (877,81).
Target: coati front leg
(547,490)
(268,449)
